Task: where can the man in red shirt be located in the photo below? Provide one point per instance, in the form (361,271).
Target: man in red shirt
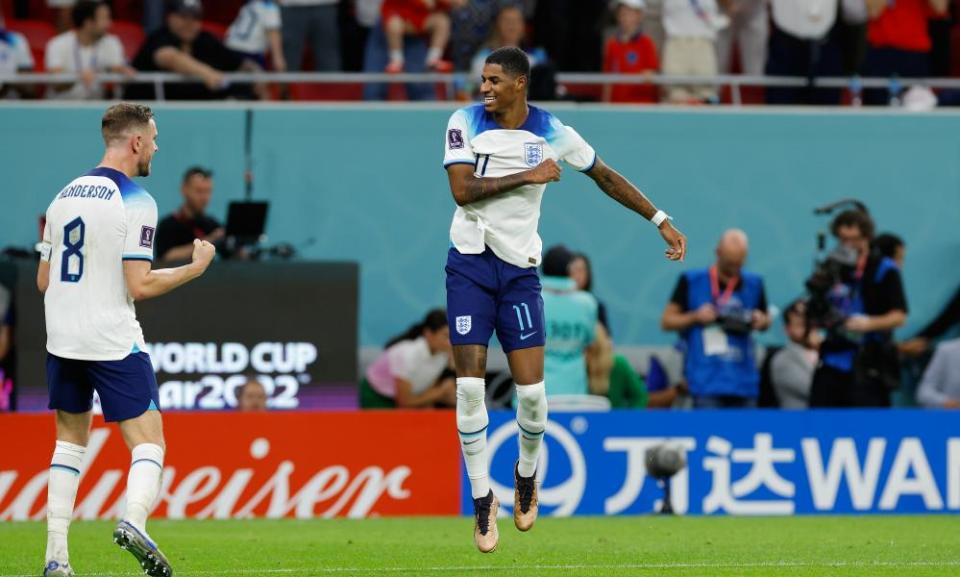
(629,51)
(899,41)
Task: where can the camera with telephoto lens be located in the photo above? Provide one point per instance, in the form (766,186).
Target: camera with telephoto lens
(839,266)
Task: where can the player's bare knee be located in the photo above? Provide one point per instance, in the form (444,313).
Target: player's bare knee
(74,427)
(470,361)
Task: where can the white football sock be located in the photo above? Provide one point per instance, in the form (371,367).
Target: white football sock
(434,54)
(396,57)
(143,483)
(532,419)
(472,421)
(61,494)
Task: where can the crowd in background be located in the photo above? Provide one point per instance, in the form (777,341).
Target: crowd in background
(799,38)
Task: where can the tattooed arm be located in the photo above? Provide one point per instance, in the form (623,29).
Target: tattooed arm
(467,188)
(614,185)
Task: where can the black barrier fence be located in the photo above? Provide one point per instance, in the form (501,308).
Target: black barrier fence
(290,325)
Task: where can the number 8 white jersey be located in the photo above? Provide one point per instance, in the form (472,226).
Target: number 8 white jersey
(94,224)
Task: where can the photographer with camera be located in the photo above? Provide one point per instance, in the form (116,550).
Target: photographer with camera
(856,295)
(715,310)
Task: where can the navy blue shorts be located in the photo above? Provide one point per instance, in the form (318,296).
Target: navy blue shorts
(484,294)
(127,388)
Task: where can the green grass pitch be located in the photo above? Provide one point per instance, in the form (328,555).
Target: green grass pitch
(701,547)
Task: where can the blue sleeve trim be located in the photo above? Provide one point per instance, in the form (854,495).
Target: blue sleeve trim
(135,257)
(452,162)
(592,163)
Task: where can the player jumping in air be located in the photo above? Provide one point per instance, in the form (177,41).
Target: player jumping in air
(96,261)
(499,157)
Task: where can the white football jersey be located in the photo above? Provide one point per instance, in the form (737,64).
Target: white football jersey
(507,223)
(248,33)
(94,224)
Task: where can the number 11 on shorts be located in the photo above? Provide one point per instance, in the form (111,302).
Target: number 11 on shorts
(520,318)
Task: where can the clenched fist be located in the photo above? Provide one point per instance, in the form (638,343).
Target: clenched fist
(546,171)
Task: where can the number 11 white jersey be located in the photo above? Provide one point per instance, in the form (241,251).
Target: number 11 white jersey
(94,224)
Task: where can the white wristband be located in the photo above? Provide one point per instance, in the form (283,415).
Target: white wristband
(659,217)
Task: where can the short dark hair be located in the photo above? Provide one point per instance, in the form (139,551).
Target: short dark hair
(514,61)
(121,117)
(793,309)
(556,261)
(197,171)
(887,244)
(857,218)
(85,10)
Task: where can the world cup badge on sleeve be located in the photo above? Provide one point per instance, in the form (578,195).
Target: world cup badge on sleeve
(146,236)
(533,153)
(454,138)
(464,324)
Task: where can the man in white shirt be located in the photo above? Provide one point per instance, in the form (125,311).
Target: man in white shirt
(690,48)
(801,45)
(95,262)
(315,20)
(15,57)
(87,50)
(499,157)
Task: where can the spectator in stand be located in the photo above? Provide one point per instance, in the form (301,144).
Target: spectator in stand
(630,51)
(15,57)
(802,44)
(940,387)
(177,231)
(792,367)
(256,33)
(471,27)
(749,28)
(61,10)
(87,50)
(252,396)
(403,18)
(317,21)
(690,48)
(510,30)
(716,310)
(413,372)
(571,31)
(899,43)
(183,46)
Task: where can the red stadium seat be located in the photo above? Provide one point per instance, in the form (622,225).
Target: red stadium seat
(326,92)
(37,33)
(218,30)
(129,10)
(131,35)
(222,11)
(38,10)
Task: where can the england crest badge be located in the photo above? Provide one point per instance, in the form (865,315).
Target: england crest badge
(464,324)
(532,153)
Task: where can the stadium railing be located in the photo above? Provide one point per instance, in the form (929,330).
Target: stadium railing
(735,82)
